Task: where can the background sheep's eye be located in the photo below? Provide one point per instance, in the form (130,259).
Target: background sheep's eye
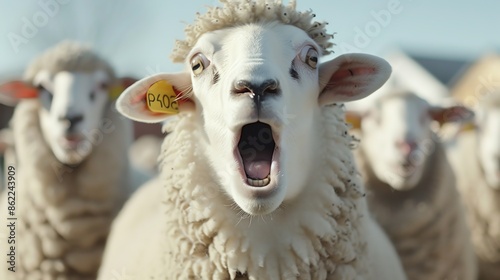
(309,56)
(42,91)
(199,63)
(40,88)
(44,96)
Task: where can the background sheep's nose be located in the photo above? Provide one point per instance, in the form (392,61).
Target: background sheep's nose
(267,87)
(406,147)
(72,119)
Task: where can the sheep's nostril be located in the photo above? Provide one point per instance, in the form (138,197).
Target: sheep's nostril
(270,86)
(242,86)
(72,120)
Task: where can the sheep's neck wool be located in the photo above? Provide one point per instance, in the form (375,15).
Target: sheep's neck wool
(319,236)
(426,223)
(64,213)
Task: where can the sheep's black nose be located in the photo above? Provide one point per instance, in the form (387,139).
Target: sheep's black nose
(72,119)
(257,91)
(268,87)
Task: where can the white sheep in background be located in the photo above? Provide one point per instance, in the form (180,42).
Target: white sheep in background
(410,184)
(72,171)
(476,158)
(257,177)
(409,74)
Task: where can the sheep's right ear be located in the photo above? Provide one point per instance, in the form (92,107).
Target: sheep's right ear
(143,103)
(14,91)
(350,77)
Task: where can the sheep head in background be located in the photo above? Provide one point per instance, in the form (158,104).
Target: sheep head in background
(397,136)
(258,88)
(479,88)
(488,137)
(75,88)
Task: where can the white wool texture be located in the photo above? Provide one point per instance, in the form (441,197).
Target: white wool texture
(241,12)
(63,213)
(67,56)
(482,203)
(426,224)
(199,233)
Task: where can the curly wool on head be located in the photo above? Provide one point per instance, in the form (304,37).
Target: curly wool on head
(68,56)
(240,12)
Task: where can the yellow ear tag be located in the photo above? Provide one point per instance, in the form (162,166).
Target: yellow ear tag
(161,98)
(468,127)
(115,91)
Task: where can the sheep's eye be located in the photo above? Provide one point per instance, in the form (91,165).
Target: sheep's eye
(309,56)
(44,96)
(92,96)
(199,63)
(42,91)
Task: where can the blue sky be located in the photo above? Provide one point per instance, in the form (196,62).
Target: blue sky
(137,36)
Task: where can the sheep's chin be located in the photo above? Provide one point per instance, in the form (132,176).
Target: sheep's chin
(71,152)
(259,200)
(401,181)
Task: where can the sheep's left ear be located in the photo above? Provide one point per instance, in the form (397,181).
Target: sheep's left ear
(449,114)
(14,91)
(351,77)
(119,86)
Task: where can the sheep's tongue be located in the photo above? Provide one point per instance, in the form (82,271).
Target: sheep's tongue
(257,169)
(256,148)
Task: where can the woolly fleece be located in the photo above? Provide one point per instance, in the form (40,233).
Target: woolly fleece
(241,12)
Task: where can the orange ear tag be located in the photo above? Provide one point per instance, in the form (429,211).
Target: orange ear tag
(161,98)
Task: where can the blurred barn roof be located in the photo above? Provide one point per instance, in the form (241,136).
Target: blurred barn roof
(446,70)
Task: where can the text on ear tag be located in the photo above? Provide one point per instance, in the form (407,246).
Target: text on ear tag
(161,98)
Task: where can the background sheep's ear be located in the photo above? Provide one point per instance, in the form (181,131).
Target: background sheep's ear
(133,102)
(13,91)
(449,114)
(119,86)
(351,77)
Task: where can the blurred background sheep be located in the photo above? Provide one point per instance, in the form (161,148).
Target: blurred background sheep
(476,157)
(411,187)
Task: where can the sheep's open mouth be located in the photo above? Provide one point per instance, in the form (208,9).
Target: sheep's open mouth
(256,149)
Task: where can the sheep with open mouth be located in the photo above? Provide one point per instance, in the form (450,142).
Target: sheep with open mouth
(257,177)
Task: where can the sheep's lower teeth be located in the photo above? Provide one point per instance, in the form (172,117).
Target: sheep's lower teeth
(258,182)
